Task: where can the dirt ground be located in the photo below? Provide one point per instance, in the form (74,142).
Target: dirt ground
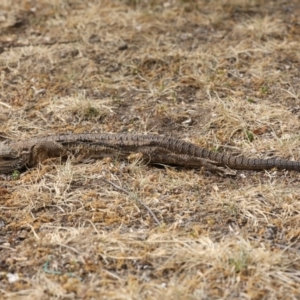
(222,74)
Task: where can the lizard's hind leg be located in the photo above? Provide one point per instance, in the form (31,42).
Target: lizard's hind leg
(162,156)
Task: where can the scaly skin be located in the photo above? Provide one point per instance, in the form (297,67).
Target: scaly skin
(154,149)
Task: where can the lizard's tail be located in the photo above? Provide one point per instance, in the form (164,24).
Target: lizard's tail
(235,162)
(244,163)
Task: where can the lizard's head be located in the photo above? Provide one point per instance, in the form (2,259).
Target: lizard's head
(10,159)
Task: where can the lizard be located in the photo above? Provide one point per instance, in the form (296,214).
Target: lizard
(157,149)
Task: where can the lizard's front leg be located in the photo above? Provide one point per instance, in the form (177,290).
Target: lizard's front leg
(43,150)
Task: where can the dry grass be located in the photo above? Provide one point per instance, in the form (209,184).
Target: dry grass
(223,74)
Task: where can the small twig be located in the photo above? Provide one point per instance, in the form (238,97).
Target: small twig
(138,200)
(5,104)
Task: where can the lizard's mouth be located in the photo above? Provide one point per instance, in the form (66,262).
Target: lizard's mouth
(7,158)
(7,164)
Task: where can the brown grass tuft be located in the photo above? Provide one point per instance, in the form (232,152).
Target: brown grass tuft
(223,74)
